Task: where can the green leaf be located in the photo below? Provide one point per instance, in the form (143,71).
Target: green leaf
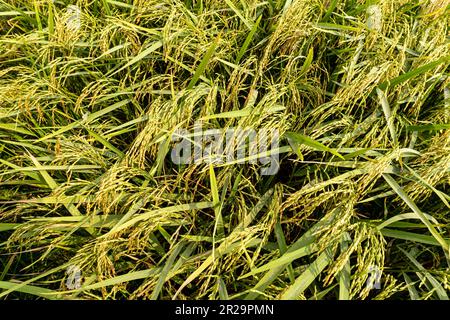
(345,273)
(404,216)
(308,276)
(239,14)
(223,293)
(8,226)
(296,139)
(334,26)
(411,236)
(411,289)
(33,290)
(16,128)
(429,127)
(306,240)
(203,64)
(165,271)
(244,113)
(440,291)
(284,260)
(149,214)
(330,10)
(89,119)
(218,226)
(155,46)
(307,62)
(394,185)
(106,143)
(248,40)
(414,73)
(281,240)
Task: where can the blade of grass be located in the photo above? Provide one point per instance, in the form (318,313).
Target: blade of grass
(308,61)
(414,73)
(38,17)
(33,290)
(149,214)
(440,291)
(203,64)
(225,244)
(218,225)
(330,10)
(281,240)
(165,271)
(404,216)
(130,276)
(388,114)
(285,259)
(248,40)
(296,139)
(239,14)
(89,119)
(411,288)
(440,194)
(411,236)
(344,275)
(18,287)
(308,276)
(155,46)
(14,127)
(306,240)
(50,20)
(106,143)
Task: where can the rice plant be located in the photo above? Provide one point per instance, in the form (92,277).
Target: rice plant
(92,206)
